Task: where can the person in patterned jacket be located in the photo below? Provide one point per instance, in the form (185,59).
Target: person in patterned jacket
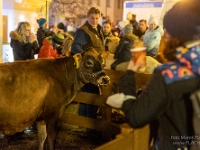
(166,97)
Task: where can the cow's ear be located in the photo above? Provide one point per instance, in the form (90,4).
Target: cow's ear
(104,56)
(77,57)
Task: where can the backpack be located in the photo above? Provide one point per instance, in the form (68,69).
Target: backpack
(195,98)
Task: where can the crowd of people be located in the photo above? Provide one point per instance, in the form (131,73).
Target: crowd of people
(49,41)
(166,96)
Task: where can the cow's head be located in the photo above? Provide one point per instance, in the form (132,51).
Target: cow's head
(89,66)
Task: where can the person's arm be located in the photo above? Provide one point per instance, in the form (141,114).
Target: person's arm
(35,47)
(119,49)
(34,44)
(80,39)
(149,105)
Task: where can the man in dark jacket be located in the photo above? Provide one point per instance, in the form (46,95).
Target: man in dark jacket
(89,34)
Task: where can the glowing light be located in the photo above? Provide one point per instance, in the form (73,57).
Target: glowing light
(18,1)
(21,17)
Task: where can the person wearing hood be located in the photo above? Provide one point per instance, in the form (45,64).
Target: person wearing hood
(23,42)
(166,97)
(152,36)
(123,53)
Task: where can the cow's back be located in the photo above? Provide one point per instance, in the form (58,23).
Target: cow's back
(32,89)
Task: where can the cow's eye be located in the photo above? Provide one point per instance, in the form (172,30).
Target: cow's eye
(89,63)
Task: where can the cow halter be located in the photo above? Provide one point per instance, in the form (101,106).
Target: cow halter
(91,74)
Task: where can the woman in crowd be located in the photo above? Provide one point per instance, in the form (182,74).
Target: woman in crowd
(152,36)
(23,42)
(167,94)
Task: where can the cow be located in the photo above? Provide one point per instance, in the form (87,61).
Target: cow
(39,91)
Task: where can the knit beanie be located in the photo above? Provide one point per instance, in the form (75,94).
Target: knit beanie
(153,20)
(41,21)
(61,26)
(182,20)
(128,29)
(58,38)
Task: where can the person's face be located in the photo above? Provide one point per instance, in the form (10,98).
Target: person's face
(27,31)
(106,28)
(152,26)
(93,19)
(142,26)
(44,25)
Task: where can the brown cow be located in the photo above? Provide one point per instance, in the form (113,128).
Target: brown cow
(39,90)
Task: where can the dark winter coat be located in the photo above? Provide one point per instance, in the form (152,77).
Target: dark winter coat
(22,50)
(166,98)
(123,52)
(42,34)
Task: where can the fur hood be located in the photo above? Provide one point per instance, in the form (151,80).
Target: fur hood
(15,36)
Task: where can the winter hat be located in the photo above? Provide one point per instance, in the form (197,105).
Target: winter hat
(61,26)
(58,38)
(41,21)
(182,20)
(128,29)
(122,24)
(153,20)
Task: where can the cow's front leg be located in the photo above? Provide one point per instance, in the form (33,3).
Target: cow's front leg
(42,134)
(51,134)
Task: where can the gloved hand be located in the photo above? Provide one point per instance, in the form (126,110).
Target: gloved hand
(118,99)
